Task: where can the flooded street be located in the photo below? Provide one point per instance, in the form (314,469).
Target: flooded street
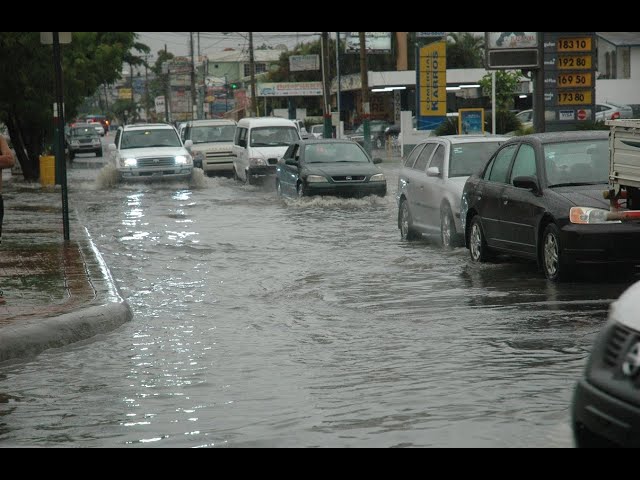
(261,322)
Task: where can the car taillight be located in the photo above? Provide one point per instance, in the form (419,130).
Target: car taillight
(615,115)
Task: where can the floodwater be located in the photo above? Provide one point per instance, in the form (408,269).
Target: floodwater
(261,322)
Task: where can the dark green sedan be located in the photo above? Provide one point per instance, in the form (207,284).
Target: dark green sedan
(329,167)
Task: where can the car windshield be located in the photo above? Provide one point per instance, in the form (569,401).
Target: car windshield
(273,136)
(317,128)
(212,134)
(83,132)
(146,138)
(468,158)
(373,127)
(584,162)
(334,152)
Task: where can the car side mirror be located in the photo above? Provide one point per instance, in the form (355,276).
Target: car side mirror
(377,160)
(111,147)
(433,172)
(528,182)
(291,161)
(188,143)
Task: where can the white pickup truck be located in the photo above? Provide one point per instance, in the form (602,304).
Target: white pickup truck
(624,169)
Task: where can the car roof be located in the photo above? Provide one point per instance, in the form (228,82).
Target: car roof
(566,136)
(266,121)
(307,141)
(144,126)
(212,121)
(468,138)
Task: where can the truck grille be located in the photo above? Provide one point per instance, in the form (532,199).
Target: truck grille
(617,339)
(349,178)
(156,162)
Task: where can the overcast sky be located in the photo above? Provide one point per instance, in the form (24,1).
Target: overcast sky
(215,42)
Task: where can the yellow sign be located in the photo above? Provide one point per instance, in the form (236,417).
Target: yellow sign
(432,64)
(572,80)
(577,97)
(125,94)
(576,44)
(574,62)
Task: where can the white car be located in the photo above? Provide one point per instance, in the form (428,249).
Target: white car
(526,118)
(612,111)
(317,130)
(431,180)
(258,145)
(150,151)
(212,144)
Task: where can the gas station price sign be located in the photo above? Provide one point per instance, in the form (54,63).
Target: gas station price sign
(572,80)
(575,44)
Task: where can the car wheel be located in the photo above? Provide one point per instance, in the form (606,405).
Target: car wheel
(448,235)
(477,243)
(552,261)
(405,223)
(302,191)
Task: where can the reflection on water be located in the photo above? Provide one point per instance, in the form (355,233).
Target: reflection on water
(270,322)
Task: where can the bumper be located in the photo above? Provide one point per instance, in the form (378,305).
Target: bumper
(85,149)
(615,243)
(347,190)
(218,165)
(261,171)
(155,173)
(598,414)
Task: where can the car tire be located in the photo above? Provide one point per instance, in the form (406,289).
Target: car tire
(405,222)
(99,153)
(301,189)
(551,254)
(448,235)
(478,248)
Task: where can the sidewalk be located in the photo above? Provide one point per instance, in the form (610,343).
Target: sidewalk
(56,292)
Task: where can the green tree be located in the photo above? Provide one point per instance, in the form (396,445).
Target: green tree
(27,90)
(506,85)
(465,50)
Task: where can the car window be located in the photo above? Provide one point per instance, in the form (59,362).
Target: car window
(211,133)
(525,163)
(500,166)
(148,138)
(273,136)
(334,152)
(411,159)
(423,158)
(468,158)
(117,138)
(577,162)
(437,160)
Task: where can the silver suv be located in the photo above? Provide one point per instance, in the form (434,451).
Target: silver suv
(212,144)
(150,150)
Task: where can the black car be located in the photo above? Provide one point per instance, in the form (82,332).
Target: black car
(329,167)
(605,410)
(540,197)
(83,138)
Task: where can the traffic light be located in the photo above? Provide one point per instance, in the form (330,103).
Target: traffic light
(233,86)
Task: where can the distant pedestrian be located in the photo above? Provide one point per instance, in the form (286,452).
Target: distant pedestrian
(6,161)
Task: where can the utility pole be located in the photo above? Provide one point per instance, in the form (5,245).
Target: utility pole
(364,80)
(146,88)
(59,113)
(193,77)
(538,89)
(324,50)
(338,107)
(167,89)
(252,72)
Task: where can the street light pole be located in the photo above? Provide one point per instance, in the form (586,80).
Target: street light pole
(60,160)
(252,70)
(364,79)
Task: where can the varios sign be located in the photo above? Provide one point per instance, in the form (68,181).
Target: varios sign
(431,81)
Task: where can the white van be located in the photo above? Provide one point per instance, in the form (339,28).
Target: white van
(212,144)
(258,145)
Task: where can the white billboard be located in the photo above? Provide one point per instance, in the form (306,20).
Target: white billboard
(299,63)
(375,42)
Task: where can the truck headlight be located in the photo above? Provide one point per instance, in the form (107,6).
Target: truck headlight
(257,162)
(130,162)
(181,159)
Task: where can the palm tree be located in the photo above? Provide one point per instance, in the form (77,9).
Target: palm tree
(465,50)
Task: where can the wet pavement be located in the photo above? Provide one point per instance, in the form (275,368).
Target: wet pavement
(56,291)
